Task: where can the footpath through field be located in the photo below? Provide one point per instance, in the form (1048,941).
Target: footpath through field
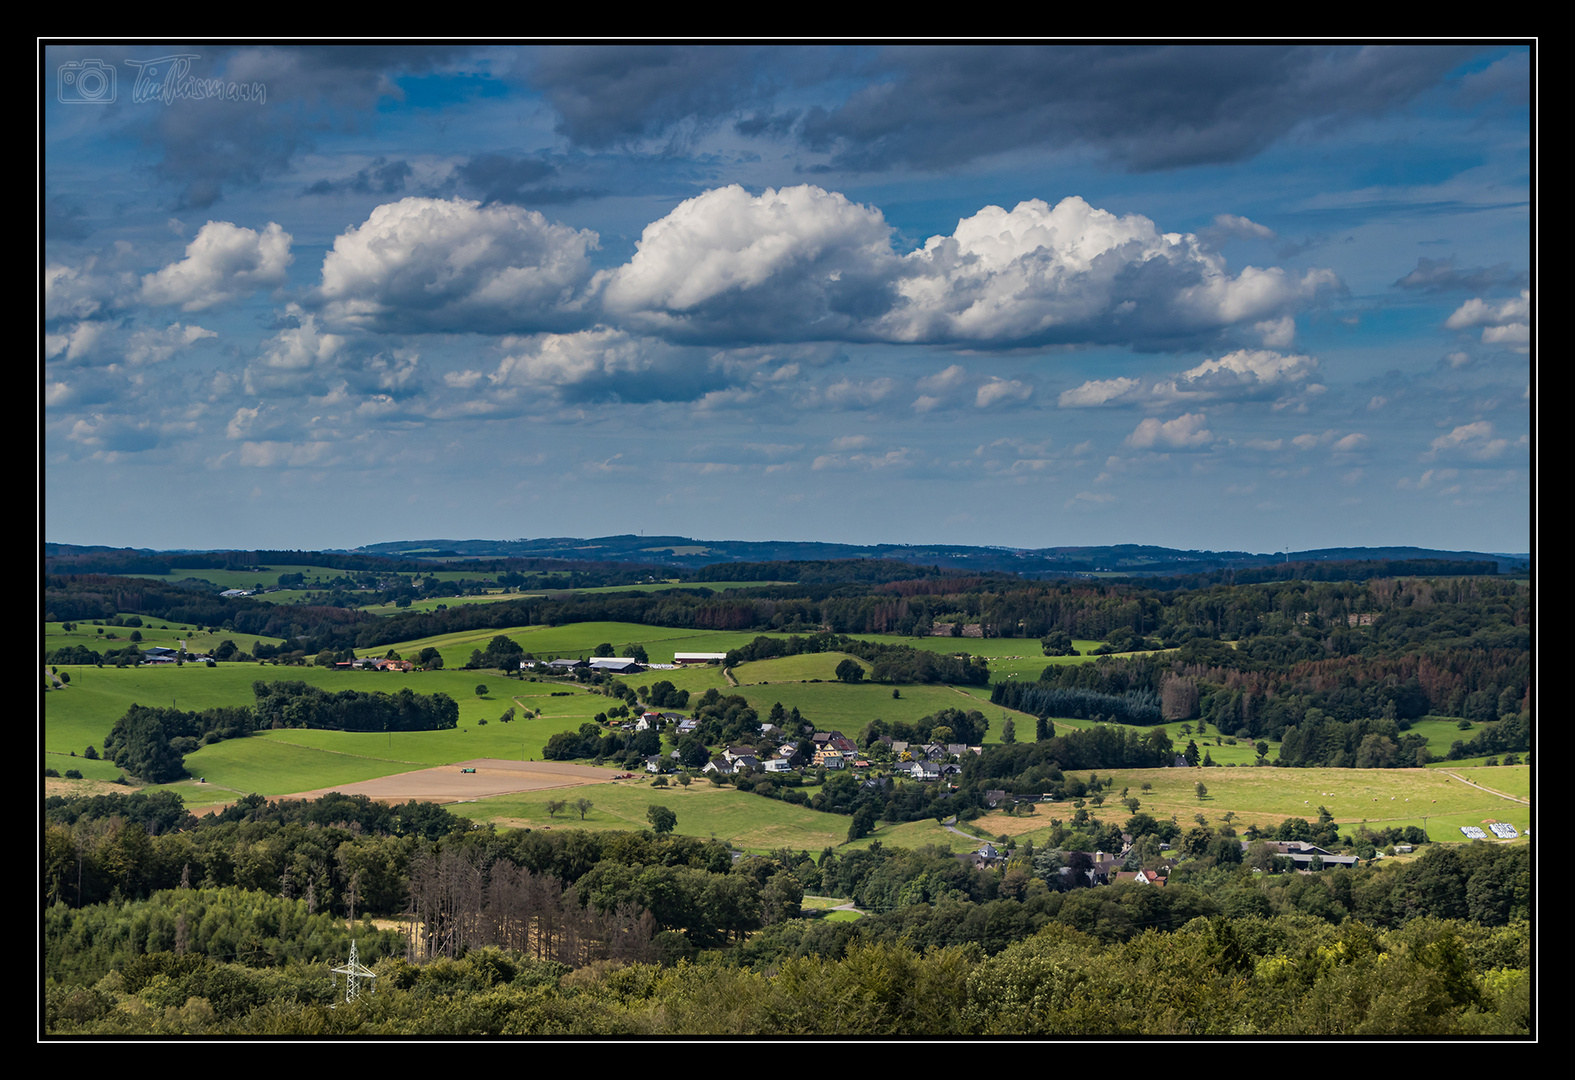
(1490,791)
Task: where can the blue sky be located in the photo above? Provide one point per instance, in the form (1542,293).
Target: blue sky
(1241,297)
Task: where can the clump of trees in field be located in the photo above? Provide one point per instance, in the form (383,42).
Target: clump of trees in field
(151,743)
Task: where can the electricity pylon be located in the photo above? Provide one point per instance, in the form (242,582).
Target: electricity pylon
(354,973)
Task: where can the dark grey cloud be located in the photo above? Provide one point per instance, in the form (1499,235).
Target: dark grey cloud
(63,220)
(1508,79)
(501,178)
(606,96)
(1440,276)
(382,177)
(1143,108)
(208,145)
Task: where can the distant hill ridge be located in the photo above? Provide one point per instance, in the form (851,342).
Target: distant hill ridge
(723,560)
(1128,559)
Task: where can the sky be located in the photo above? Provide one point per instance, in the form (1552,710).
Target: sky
(1229,297)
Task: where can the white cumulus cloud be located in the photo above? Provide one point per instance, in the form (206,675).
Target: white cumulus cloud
(1241,375)
(301,347)
(223,262)
(810,264)
(799,262)
(998,391)
(1185,432)
(1099,392)
(454,265)
(1073,273)
(1474,440)
(1506,323)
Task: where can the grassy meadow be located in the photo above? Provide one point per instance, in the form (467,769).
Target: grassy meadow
(154,632)
(746,821)
(281,762)
(83,713)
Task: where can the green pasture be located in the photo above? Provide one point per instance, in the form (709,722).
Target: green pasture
(282,762)
(579,639)
(800,668)
(1513,780)
(822,903)
(1442,732)
(441,602)
(849,707)
(1022,658)
(1007,656)
(83,713)
(316,577)
(918,834)
(1382,798)
(154,632)
(663,586)
(60,761)
(695,678)
(1223,749)
(747,821)
(271,766)
(246,577)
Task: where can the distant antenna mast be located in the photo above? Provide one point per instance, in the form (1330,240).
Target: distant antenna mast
(354,974)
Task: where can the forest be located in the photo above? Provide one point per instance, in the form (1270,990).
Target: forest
(229,927)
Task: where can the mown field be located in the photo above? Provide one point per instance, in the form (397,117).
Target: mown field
(1380,798)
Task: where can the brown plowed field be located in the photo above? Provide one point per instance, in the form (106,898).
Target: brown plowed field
(493,776)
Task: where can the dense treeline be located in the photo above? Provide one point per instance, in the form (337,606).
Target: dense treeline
(1281,977)
(290,704)
(1298,619)
(206,923)
(87,597)
(836,572)
(342,852)
(186,930)
(1139,706)
(1438,946)
(64,559)
(1028,764)
(1330,570)
(1274,623)
(1349,711)
(101,848)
